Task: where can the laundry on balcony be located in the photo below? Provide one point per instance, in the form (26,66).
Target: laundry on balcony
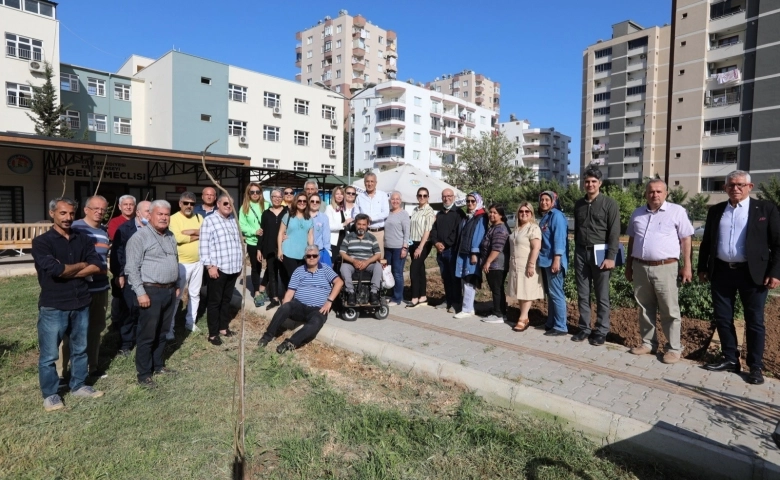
(599,147)
(730,76)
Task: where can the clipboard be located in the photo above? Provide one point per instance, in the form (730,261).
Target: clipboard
(600,253)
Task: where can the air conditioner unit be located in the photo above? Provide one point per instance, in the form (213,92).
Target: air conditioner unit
(334,122)
(644,55)
(242,140)
(36,66)
(332,152)
(277,110)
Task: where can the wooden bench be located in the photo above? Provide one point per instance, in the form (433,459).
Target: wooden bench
(19,236)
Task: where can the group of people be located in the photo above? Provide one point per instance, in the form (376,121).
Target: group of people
(155,256)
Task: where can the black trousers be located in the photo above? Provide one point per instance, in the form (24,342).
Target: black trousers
(417,279)
(496,280)
(273,267)
(726,283)
(154,323)
(256,268)
(128,329)
(288,267)
(218,305)
(311,317)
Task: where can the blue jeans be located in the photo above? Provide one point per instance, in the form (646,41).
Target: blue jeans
(452,291)
(556,299)
(53,325)
(393,257)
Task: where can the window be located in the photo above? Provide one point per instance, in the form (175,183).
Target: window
(97,122)
(329,30)
(270,163)
(469,132)
(719,155)
(712,184)
(366,137)
(338,88)
(338,58)
(636,90)
(205,118)
(415,155)
(637,43)
(418,119)
(122,126)
(726,41)
(328,46)
(604,67)
(309,54)
(270,133)
(434,141)
(271,99)
(603,52)
(418,101)
(330,169)
(205,80)
(338,28)
(18,95)
(379,69)
(390,114)
(438,88)
(301,138)
(338,73)
(338,43)
(390,151)
(724,9)
(236,93)
(69,82)
(601,126)
(309,40)
(465,94)
(72,119)
(96,87)
(328,112)
(122,92)
(308,82)
(12,200)
(32,6)
(721,97)
(236,128)
(381,39)
(601,111)
(329,142)
(301,106)
(601,97)
(23,47)
(380,54)
(417,137)
(367,120)
(308,68)
(721,126)
(435,123)
(301,166)
(367,155)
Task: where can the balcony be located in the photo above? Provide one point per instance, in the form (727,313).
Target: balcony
(435,162)
(720,140)
(724,16)
(636,65)
(631,174)
(358,48)
(723,52)
(633,82)
(638,112)
(358,64)
(722,99)
(359,21)
(391,67)
(479,99)
(391,139)
(633,144)
(391,51)
(479,88)
(633,128)
(298,49)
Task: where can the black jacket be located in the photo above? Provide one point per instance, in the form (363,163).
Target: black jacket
(762,240)
(122,235)
(446,227)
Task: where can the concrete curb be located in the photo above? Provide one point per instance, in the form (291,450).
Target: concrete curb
(9,271)
(654,443)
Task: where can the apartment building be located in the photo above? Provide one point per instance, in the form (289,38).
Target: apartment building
(543,150)
(470,86)
(30,32)
(624,103)
(725,81)
(345,53)
(399,122)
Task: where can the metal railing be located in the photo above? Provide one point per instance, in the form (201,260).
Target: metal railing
(122,129)
(736,12)
(19,101)
(73,123)
(23,52)
(722,100)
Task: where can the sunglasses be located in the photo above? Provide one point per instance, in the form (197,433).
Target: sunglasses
(351,193)
(254,192)
(288,192)
(314,201)
(524,211)
(225,204)
(187,204)
(302,201)
(422,196)
(312,256)
(471,201)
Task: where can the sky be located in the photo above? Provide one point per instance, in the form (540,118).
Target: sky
(534,49)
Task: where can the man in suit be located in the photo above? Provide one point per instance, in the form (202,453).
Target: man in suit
(731,267)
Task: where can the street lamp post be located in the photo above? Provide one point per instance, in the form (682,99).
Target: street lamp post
(348,99)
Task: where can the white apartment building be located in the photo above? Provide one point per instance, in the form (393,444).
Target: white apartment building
(470,86)
(30,32)
(544,150)
(397,122)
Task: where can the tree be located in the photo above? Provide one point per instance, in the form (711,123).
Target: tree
(49,116)
(677,195)
(627,202)
(347,148)
(697,206)
(770,191)
(524,175)
(485,165)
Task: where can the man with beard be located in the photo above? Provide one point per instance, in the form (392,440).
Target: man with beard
(360,251)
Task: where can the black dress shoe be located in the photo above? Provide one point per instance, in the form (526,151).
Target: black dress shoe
(216,341)
(272,304)
(555,333)
(263,342)
(285,346)
(755,377)
(147,383)
(580,336)
(726,366)
(351,299)
(229,333)
(165,371)
(597,340)
(373,298)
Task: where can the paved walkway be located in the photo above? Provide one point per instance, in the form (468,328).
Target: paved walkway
(683,397)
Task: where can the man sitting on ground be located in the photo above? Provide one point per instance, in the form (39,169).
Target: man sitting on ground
(313,288)
(360,251)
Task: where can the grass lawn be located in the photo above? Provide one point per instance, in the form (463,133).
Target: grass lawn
(315,413)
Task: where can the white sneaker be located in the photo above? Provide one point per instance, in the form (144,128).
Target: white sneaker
(462,314)
(493,319)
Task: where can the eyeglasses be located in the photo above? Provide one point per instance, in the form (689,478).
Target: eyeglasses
(302,201)
(288,192)
(187,204)
(225,204)
(740,186)
(419,195)
(471,201)
(254,192)
(524,212)
(351,193)
(101,210)
(312,256)
(448,196)
(314,201)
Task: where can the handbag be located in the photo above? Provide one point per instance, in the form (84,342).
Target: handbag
(325,257)
(387,277)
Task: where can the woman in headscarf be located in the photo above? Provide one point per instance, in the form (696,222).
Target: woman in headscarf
(467,265)
(525,282)
(553,261)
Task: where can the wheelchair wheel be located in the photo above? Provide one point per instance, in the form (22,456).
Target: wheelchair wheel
(349,314)
(382,312)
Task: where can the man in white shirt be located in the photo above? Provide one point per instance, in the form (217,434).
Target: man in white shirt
(375,204)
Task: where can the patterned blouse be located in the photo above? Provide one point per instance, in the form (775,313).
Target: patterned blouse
(422,221)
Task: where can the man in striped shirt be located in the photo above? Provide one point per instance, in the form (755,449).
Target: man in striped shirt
(222,253)
(360,251)
(313,288)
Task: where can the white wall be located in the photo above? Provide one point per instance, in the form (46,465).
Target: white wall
(157,113)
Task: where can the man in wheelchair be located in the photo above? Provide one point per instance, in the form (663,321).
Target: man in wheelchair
(360,253)
(310,295)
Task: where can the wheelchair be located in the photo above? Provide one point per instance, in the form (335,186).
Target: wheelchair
(361,280)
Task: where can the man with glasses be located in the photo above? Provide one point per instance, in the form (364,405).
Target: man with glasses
(310,295)
(444,236)
(360,251)
(91,226)
(596,222)
(185,226)
(375,204)
(222,253)
(740,253)
(209,196)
